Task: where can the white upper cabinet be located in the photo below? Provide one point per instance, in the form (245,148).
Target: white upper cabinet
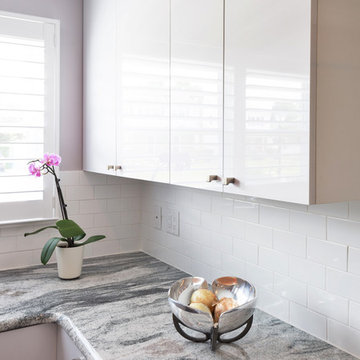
(99,86)
(267,98)
(252,97)
(196,92)
(127,88)
(143,93)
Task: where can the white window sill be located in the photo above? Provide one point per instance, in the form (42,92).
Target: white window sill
(27,221)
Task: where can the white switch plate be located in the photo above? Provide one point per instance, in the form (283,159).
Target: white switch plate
(171,221)
(156,217)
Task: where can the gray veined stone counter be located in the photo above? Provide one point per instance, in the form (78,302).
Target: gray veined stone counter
(119,305)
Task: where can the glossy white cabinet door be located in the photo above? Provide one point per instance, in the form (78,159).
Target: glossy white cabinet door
(99,85)
(143,78)
(196,92)
(267,93)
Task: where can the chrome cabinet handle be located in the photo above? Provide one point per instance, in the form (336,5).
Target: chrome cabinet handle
(110,167)
(118,167)
(213,178)
(229,180)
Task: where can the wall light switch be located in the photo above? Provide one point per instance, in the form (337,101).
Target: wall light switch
(171,221)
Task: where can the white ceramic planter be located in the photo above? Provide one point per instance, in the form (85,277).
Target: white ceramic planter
(69,261)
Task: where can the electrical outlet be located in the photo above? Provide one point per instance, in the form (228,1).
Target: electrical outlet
(171,221)
(157,217)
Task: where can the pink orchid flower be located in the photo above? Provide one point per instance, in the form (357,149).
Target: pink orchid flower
(34,170)
(51,159)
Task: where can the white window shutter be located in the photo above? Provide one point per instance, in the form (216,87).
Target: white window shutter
(28,114)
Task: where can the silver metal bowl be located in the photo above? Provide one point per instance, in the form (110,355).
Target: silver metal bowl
(240,290)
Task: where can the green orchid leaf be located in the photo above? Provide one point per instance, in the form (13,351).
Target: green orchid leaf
(49,248)
(69,228)
(44,228)
(79,237)
(92,239)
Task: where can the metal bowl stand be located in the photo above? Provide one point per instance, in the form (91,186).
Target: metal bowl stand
(213,334)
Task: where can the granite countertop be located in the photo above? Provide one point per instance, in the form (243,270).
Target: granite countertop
(118,309)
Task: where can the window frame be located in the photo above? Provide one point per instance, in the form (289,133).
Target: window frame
(51,128)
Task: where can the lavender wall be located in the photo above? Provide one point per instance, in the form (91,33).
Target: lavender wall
(70,14)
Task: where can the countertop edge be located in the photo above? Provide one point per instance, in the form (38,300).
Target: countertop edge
(56,318)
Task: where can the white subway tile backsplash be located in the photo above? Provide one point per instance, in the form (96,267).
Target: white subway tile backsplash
(9,244)
(354,315)
(130,245)
(233,227)
(201,200)
(274,260)
(183,197)
(327,253)
(116,205)
(307,320)
(106,247)
(127,231)
(259,234)
(211,221)
(233,266)
(274,217)
(130,217)
(107,191)
(94,202)
(8,230)
(245,250)
(68,178)
(83,192)
(308,271)
(130,189)
(22,243)
(185,230)
(92,207)
(19,259)
(344,231)
(304,261)
(85,221)
(340,209)
(273,304)
(308,224)
(291,243)
(202,236)
(291,289)
(354,261)
(346,284)
(73,207)
(330,305)
(246,211)
(209,272)
(259,276)
(344,337)
(354,210)
(222,205)
(221,242)
(206,255)
(283,248)
(190,216)
(88,178)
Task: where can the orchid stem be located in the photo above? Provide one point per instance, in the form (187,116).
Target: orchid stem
(61,199)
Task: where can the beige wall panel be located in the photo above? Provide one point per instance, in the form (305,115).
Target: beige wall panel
(338,101)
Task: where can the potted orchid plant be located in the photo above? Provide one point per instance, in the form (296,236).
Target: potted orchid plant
(69,244)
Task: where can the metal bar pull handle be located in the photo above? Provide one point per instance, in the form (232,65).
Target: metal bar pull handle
(229,180)
(110,167)
(211,178)
(118,167)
